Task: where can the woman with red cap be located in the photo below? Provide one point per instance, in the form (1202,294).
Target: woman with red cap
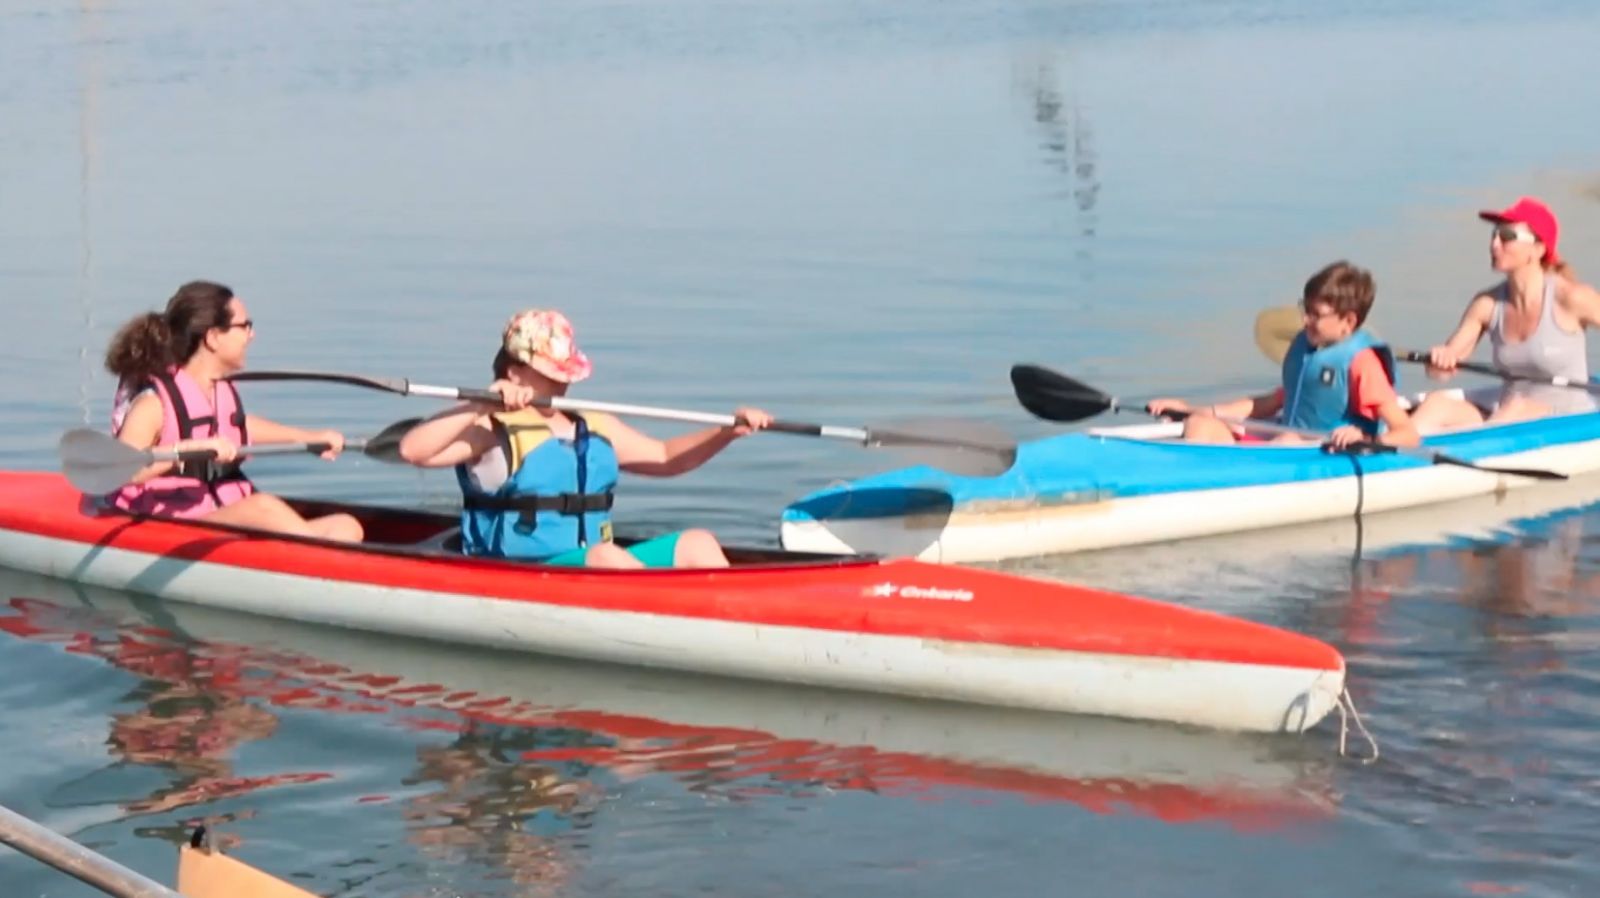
(537,483)
(1535,320)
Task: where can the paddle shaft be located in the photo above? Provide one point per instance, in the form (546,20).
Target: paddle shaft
(1421,358)
(1369,445)
(45,845)
(1111,404)
(561,403)
(964,453)
(264,449)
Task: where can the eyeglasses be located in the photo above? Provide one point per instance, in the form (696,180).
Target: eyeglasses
(1309,315)
(1514,233)
(247,324)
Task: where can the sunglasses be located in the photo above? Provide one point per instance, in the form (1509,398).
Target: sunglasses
(1514,233)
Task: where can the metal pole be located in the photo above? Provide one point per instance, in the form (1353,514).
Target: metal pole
(69,857)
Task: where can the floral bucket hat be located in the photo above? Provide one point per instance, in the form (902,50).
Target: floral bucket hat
(542,339)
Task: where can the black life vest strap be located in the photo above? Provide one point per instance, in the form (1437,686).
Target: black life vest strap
(563,503)
(580,448)
(207,471)
(180,409)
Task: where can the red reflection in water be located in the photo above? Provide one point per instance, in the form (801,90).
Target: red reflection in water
(194,710)
(208,698)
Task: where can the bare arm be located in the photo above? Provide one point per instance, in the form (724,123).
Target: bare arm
(641,454)
(1400,432)
(265,430)
(455,436)
(1260,407)
(1583,301)
(142,427)
(1475,320)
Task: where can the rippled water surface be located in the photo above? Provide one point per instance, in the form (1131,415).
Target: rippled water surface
(844,212)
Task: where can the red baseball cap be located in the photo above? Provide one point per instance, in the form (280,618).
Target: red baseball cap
(1537,216)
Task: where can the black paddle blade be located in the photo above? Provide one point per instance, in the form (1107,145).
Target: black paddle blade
(1054,396)
(967,448)
(385,444)
(1439,458)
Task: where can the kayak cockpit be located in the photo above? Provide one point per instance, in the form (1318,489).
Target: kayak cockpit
(414,532)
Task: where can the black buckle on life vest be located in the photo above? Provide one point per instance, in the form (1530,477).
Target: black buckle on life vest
(209,471)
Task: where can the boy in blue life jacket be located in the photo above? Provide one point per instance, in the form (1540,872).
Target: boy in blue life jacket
(1336,377)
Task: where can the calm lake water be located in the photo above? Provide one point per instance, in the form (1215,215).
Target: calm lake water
(843,212)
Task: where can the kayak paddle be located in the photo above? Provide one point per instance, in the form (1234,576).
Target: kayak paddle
(1421,358)
(968,448)
(1276,329)
(1053,396)
(98,463)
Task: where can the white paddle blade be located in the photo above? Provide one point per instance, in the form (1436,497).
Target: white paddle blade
(98,463)
(967,448)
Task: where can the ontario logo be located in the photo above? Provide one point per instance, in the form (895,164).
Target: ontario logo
(895,590)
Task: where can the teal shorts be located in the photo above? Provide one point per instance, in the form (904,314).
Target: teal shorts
(657,553)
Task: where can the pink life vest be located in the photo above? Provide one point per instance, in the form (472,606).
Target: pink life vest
(192,489)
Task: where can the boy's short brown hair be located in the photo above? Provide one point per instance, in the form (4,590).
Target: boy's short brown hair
(1344,287)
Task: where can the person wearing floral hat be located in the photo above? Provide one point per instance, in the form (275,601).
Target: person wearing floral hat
(537,483)
(1536,320)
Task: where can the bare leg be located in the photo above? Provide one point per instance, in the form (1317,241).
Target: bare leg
(341,527)
(1202,428)
(264,511)
(610,555)
(1519,408)
(698,548)
(1444,412)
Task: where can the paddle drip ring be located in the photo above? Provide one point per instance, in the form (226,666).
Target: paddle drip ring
(1347,713)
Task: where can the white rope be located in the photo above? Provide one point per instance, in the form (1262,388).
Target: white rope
(1347,704)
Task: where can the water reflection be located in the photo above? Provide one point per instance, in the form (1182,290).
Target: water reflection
(1479,659)
(490,808)
(533,751)
(192,710)
(1065,136)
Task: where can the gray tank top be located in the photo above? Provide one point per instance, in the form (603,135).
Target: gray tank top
(1548,352)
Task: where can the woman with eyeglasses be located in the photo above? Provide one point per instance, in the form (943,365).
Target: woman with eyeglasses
(172,394)
(1535,320)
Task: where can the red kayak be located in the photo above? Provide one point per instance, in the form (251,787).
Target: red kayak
(880,625)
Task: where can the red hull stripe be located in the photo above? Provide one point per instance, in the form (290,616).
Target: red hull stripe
(901,597)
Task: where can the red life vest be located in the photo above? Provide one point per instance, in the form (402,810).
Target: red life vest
(191,489)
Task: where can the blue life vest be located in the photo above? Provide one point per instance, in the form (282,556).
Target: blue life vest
(1316,383)
(557,495)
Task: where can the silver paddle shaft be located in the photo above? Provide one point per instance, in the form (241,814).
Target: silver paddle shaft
(562,403)
(46,845)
